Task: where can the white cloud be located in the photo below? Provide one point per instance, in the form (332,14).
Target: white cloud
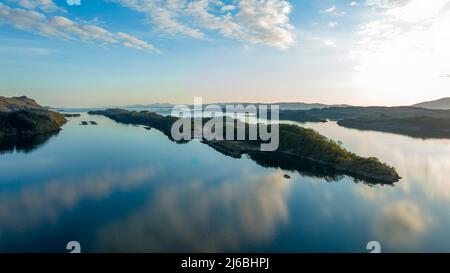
(329,43)
(323,41)
(64,28)
(44,5)
(264,22)
(333,11)
(354,4)
(227,8)
(329,10)
(332,24)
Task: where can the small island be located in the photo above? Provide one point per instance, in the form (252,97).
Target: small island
(296,144)
(75,115)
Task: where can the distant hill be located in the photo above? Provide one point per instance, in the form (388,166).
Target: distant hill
(283,105)
(443,104)
(288,105)
(406,120)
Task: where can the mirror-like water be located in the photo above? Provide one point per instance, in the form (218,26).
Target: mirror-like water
(120,188)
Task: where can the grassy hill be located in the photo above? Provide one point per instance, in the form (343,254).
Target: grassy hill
(24,116)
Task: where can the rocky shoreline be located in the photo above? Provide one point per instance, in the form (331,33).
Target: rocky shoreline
(341,168)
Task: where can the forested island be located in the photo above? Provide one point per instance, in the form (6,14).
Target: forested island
(297,145)
(405,120)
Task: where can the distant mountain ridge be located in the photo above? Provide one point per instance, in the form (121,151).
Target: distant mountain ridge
(283,105)
(443,104)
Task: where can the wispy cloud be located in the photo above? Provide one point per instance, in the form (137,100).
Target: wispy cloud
(64,28)
(323,41)
(414,23)
(329,10)
(263,22)
(26,50)
(332,24)
(44,5)
(332,11)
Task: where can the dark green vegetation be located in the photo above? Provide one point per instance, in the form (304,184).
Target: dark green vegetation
(146,118)
(422,126)
(411,121)
(297,144)
(23,116)
(71,115)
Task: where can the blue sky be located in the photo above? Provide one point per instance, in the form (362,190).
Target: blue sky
(116,52)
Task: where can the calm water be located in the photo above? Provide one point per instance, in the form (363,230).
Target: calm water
(119,188)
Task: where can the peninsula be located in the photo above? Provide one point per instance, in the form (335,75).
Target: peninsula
(296,144)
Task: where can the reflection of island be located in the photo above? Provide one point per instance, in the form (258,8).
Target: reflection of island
(296,143)
(368,170)
(304,167)
(24,143)
(410,121)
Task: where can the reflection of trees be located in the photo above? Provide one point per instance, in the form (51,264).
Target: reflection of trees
(24,143)
(305,167)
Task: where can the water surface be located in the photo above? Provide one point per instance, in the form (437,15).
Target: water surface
(121,188)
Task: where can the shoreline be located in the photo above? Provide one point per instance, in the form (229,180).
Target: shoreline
(344,170)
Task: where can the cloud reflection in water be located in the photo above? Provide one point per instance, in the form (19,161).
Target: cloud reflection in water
(45,202)
(201,217)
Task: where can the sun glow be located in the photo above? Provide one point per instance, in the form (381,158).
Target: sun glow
(406,51)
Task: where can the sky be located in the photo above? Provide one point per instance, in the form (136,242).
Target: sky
(90,53)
